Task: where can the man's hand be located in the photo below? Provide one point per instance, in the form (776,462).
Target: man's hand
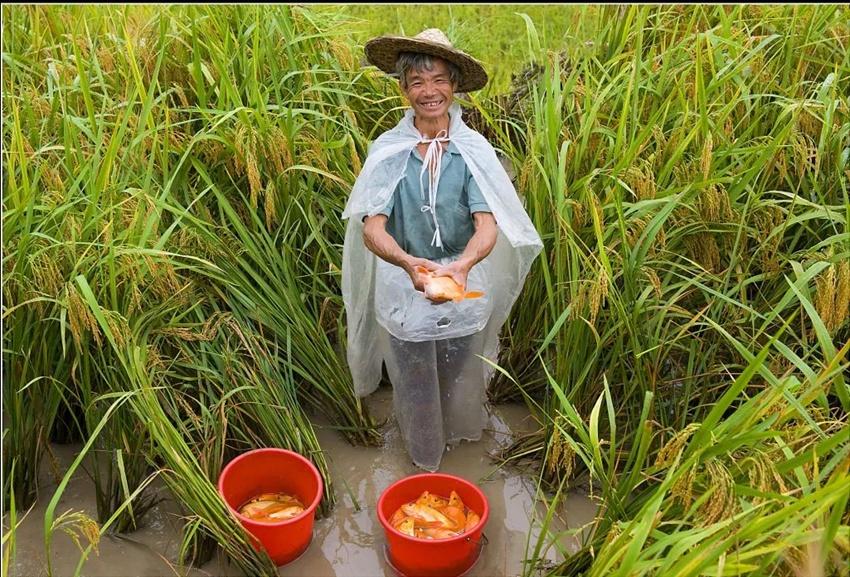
(457,270)
(418,278)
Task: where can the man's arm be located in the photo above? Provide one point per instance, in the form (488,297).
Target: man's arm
(379,241)
(477,249)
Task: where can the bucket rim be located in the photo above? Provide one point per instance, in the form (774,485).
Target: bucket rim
(309,510)
(485,514)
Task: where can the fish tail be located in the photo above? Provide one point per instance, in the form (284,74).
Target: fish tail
(473,295)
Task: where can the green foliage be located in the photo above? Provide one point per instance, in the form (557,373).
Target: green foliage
(688,174)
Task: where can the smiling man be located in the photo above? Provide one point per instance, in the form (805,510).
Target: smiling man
(432,199)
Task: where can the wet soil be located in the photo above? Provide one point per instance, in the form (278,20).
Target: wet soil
(348,543)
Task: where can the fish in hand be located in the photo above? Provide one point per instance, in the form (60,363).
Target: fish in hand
(444,288)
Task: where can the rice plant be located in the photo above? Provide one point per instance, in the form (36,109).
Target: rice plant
(107,144)
(689,218)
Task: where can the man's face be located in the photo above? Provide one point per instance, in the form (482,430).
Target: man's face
(430,92)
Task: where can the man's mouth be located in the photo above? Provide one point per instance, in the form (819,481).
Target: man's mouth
(435,104)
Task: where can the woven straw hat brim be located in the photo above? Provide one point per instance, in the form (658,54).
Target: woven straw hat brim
(383,53)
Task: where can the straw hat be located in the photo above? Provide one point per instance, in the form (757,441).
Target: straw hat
(383,53)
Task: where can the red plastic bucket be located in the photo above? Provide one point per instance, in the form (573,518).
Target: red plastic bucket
(274,471)
(450,557)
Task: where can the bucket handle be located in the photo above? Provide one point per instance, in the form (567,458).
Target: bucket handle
(481,542)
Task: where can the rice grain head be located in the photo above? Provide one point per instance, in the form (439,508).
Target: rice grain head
(269,205)
(278,150)
(135,301)
(825,294)
(805,152)
(46,276)
(598,294)
(154,360)
(705,158)
(341,52)
(634,229)
(683,488)
(118,326)
(722,504)
(253,179)
(579,219)
(805,561)
(105,58)
(660,146)
(77,525)
(525,174)
(653,280)
(241,146)
(674,446)
(809,124)
(181,95)
(763,475)
(356,164)
(579,301)
(708,253)
(841,309)
(560,460)
(80,317)
(641,179)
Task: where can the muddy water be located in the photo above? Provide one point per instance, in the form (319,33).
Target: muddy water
(348,543)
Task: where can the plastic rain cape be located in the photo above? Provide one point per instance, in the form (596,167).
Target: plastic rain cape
(517,244)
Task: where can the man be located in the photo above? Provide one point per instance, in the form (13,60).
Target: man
(432,195)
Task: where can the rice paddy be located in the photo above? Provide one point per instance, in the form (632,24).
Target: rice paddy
(173,182)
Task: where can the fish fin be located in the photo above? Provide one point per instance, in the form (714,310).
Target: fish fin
(473,295)
(422,269)
(458,299)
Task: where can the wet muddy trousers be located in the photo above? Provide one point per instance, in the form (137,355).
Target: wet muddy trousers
(438,394)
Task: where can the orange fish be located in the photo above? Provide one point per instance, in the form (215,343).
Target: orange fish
(287,512)
(272,507)
(438,533)
(456,515)
(472,520)
(397,517)
(406,526)
(427,514)
(431,500)
(454,501)
(434,517)
(444,288)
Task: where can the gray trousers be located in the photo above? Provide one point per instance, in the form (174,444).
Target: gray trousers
(438,394)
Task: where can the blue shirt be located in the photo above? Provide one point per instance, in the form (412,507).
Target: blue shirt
(458,196)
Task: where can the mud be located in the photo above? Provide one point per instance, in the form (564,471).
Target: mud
(348,543)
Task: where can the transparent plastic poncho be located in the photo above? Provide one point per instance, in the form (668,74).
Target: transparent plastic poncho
(517,244)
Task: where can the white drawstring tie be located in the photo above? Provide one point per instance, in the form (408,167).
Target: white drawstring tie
(433,163)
